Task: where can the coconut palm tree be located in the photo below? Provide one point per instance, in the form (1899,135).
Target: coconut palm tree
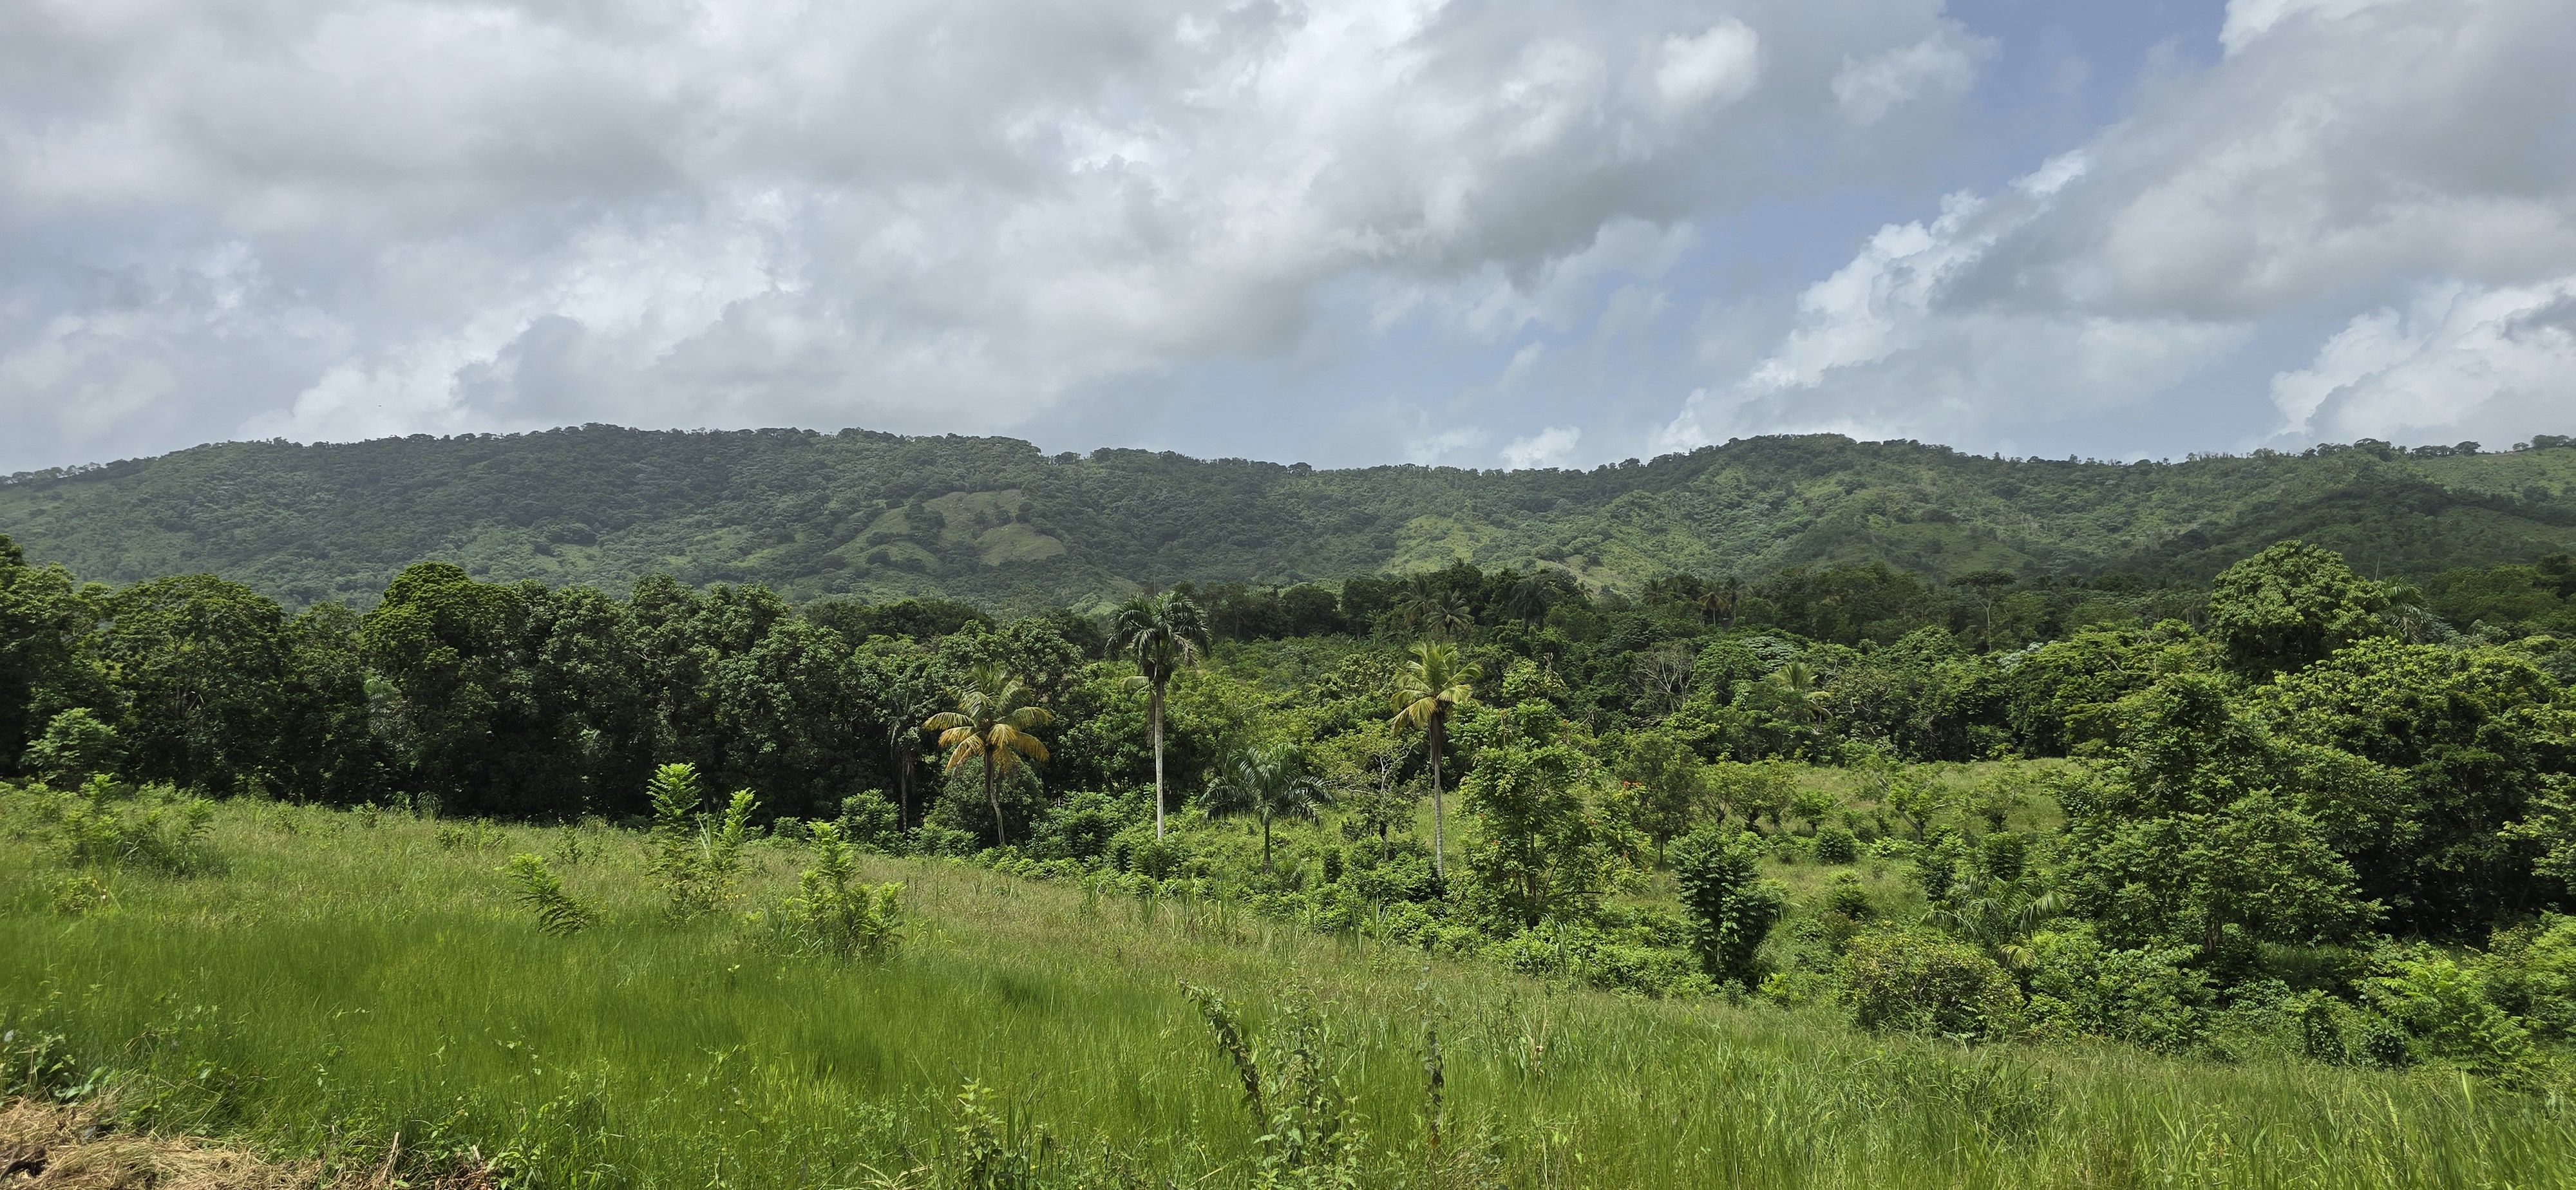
(1427,688)
(992,723)
(1429,606)
(1266,783)
(1161,634)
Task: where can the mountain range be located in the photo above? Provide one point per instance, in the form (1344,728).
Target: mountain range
(998,521)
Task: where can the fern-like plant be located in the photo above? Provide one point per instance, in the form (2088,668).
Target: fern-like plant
(542,891)
(832,912)
(697,856)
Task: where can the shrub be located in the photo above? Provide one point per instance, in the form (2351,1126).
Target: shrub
(1731,909)
(832,913)
(1837,845)
(76,746)
(696,855)
(872,821)
(542,891)
(106,825)
(2146,998)
(2531,973)
(2443,1008)
(1914,981)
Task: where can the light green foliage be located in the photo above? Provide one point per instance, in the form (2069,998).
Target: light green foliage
(1306,1135)
(1731,908)
(113,826)
(795,1074)
(1913,981)
(696,855)
(832,912)
(2530,971)
(2290,606)
(2443,1006)
(1836,844)
(76,746)
(2147,998)
(1540,848)
(537,887)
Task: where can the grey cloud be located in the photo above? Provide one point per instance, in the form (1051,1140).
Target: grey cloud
(449,216)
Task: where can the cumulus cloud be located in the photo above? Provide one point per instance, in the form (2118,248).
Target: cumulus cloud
(1550,447)
(333,218)
(2484,364)
(2340,155)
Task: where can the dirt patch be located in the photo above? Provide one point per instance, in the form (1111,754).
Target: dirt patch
(76,1147)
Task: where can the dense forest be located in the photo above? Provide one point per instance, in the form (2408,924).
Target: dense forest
(996,521)
(2294,802)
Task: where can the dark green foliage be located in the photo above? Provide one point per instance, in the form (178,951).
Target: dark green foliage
(1731,908)
(2148,998)
(2289,606)
(1836,845)
(1914,981)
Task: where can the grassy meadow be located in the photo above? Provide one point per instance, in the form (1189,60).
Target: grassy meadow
(343,978)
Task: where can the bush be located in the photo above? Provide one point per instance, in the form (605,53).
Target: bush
(1731,910)
(107,825)
(1915,981)
(2444,1010)
(832,913)
(1837,845)
(76,746)
(2146,998)
(2531,973)
(543,892)
(872,820)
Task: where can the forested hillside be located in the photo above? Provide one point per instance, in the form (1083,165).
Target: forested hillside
(996,521)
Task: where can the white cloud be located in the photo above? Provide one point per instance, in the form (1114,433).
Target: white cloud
(2341,154)
(1551,447)
(2482,364)
(1868,89)
(519,212)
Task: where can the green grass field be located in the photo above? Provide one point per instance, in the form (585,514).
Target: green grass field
(347,976)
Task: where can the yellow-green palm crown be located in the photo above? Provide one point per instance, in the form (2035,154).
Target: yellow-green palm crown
(1432,683)
(993,717)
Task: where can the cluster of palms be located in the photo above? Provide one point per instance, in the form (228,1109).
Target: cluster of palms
(997,716)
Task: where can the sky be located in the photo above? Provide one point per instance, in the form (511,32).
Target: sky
(1478,233)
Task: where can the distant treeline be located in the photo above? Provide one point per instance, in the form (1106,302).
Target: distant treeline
(527,700)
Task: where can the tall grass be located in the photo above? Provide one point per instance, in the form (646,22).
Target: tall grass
(341,983)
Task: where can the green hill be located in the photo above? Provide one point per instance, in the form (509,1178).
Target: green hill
(996,520)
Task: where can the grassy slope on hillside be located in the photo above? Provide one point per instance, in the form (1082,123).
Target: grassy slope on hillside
(993,519)
(341,982)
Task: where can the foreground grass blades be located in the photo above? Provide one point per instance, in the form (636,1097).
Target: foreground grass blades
(341,983)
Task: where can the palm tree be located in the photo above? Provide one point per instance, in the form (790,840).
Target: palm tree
(1718,602)
(1430,606)
(1162,634)
(1427,688)
(1795,684)
(1266,783)
(992,723)
(1533,595)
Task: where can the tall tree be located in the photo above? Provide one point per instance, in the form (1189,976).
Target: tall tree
(1428,687)
(1269,784)
(1161,634)
(992,723)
